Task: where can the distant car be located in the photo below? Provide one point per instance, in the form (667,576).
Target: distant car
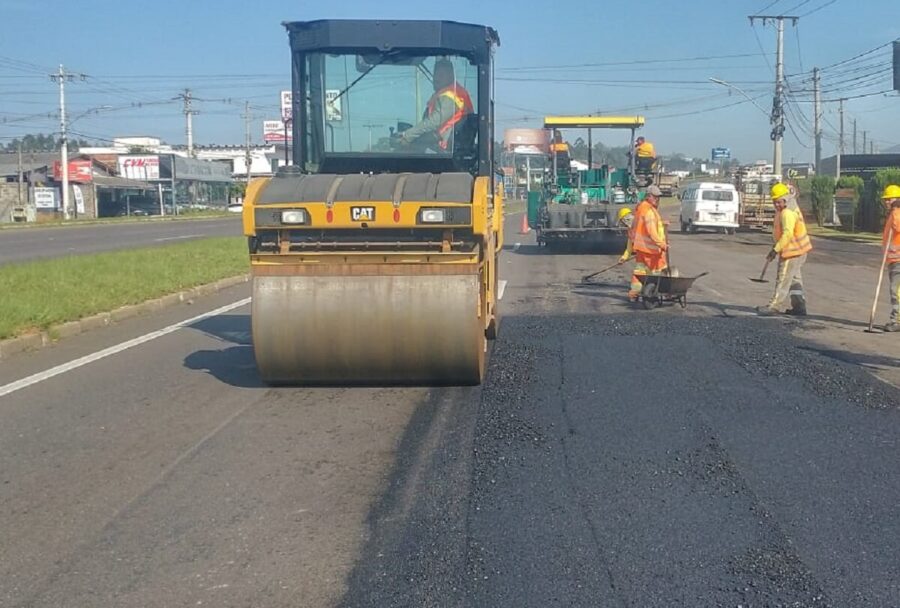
(236,207)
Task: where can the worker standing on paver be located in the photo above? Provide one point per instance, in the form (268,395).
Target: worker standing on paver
(891,243)
(645,155)
(647,241)
(792,244)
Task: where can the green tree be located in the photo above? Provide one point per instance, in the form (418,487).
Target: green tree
(42,143)
(871,211)
(822,194)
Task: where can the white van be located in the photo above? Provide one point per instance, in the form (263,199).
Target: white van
(710,205)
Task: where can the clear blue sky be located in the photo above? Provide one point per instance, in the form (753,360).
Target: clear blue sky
(237,50)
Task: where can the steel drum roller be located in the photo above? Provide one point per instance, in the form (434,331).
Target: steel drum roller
(419,329)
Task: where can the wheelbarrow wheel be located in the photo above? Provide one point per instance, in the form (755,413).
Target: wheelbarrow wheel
(650,296)
(683,301)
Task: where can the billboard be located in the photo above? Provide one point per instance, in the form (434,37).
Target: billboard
(333,106)
(79,171)
(273,132)
(720,154)
(286,109)
(141,167)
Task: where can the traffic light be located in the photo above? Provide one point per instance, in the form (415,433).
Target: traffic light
(897,65)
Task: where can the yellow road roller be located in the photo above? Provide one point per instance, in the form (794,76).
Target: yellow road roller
(374,252)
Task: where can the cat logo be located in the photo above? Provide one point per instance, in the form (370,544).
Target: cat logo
(362,214)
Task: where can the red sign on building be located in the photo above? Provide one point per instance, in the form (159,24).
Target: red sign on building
(79,171)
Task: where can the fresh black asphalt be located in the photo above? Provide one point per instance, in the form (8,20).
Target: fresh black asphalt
(644,460)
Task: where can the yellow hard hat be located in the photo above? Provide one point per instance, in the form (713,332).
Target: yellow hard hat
(780,190)
(625,211)
(892,191)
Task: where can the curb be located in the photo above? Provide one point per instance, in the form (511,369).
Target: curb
(54,333)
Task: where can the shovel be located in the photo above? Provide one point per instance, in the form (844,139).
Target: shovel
(871,328)
(586,277)
(762,275)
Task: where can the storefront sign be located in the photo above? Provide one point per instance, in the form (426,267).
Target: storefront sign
(79,171)
(139,167)
(46,198)
(273,131)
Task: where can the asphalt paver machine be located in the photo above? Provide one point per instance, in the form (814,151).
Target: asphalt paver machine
(583,206)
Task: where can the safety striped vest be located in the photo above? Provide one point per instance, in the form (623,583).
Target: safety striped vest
(645,150)
(893,247)
(645,215)
(460,97)
(799,243)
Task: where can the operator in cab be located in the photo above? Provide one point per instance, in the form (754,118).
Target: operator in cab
(449,105)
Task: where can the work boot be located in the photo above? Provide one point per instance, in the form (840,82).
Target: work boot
(892,327)
(766,311)
(796,311)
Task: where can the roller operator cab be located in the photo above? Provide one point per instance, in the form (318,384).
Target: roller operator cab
(374,256)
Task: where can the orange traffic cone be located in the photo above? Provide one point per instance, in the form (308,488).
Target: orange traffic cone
(525,229)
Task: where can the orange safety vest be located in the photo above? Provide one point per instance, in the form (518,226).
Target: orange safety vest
(893,247)
(459,96)
(645,150)
(644,216)
(799,243)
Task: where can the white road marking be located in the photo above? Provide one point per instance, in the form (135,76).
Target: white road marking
(112,350)
(177,238)
(502,290)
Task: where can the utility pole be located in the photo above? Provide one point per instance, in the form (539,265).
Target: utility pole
(777,118)
(854,136)
(864,142)
(817,113)
(189,122)
(188,111)
(61,77)
(247,118)
(19,151)
(840,138)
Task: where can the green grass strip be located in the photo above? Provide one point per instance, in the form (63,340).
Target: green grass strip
(840,235)
(36,295)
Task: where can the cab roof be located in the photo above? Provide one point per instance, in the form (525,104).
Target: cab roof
(357,36)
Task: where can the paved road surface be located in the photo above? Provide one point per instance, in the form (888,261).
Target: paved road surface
(19,245)
(613,457)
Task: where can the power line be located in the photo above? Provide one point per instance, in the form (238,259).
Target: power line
(816,10)
(632,62)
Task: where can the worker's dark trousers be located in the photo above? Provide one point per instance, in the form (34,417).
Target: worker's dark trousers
(789,284)
(894,274)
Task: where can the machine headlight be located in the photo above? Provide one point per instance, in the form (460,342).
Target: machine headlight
(294,216)
(433,216)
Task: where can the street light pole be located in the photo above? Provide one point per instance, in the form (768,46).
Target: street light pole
(741,91)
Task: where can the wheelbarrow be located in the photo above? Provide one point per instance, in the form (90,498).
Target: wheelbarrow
(660,288)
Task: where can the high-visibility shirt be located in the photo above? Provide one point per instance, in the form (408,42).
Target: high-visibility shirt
(460,98)
(645,150)
(791,238)
(648,233)
(893,247)
(559,147)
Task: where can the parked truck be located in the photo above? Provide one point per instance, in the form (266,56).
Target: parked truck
(668,183)
(756,210)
